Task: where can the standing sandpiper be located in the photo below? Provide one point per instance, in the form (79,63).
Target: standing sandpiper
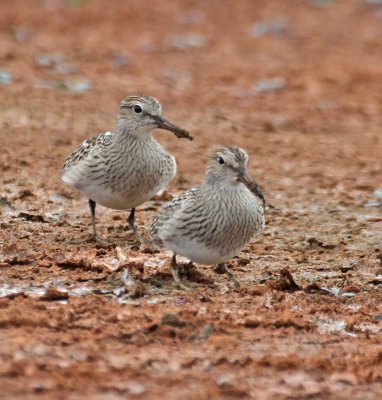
(124,168)
(212,223)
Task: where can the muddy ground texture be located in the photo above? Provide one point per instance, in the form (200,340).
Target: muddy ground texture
(298,84)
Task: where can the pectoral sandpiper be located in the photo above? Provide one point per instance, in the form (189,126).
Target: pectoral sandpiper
(210,224)
(124,168)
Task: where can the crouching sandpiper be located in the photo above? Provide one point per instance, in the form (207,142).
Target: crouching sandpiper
(124,168)
(210,224)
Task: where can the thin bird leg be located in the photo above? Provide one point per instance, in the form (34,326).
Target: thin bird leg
(94,237)
(132,226)
(224,267)
(175,275)
(131,220)
(92,205)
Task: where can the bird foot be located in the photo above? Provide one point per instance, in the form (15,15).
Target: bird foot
(97,239)
(181,286)
(91,239)
(235,281)
(232,277)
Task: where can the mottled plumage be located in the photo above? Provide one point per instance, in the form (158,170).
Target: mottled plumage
(124,168)
(212,223)
(99,141)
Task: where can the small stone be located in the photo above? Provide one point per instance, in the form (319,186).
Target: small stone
(135,388)
(277,26)
(205,333)
(53,294)
(184,42)
(172,319)
(374,2)
(195,17)
(268,85)
(121,60)
(21,34)
(322,3)
(251,323)
(5,77)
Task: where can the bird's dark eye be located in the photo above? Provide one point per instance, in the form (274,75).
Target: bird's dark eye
(220,160)
(137,109)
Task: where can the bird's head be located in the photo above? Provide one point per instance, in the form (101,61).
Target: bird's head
(229,165)
(141,114)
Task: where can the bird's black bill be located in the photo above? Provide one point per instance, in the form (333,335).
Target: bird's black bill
(253,187)
(168,126)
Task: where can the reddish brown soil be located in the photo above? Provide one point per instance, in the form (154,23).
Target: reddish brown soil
(315,148)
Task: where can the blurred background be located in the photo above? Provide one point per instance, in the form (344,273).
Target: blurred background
(296,83)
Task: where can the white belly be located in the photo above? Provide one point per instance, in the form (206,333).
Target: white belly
(122,200)
(129,189)
(196,252)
